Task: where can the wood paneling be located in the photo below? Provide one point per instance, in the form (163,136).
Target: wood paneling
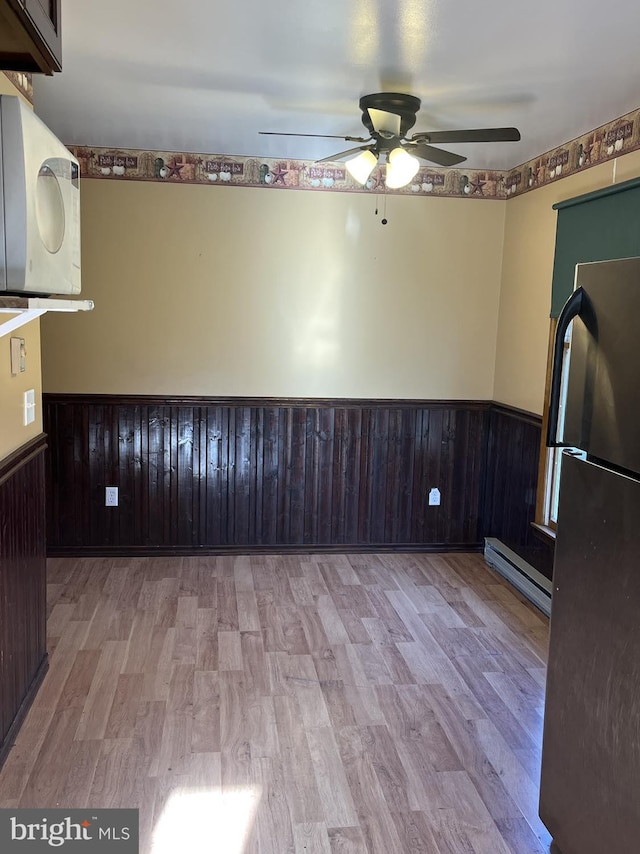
(509,504)
(203,474)
(22,584)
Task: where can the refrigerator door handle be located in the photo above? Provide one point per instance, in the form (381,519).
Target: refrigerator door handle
(574,307)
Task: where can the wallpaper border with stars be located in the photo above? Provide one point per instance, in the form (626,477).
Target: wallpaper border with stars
(274,173)
(23,81)
(616,138)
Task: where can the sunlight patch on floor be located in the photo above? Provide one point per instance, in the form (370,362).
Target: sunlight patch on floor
(206,820)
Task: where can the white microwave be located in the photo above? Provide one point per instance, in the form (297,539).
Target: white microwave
(39,206)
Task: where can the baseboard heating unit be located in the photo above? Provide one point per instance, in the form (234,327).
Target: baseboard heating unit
(522,575)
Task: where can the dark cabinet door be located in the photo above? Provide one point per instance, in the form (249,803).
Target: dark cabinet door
(30,35)
(45,15)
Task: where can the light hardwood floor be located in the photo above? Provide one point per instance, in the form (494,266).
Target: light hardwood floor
(316,704)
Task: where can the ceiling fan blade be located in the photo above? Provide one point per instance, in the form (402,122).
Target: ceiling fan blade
(317,135)
(434,155)
(384,122)
(479,135)
(343,154)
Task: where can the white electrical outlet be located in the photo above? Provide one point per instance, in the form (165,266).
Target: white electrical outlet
(434,497)
(29,407)
(111,496)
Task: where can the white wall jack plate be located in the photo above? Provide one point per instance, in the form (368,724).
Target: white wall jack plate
(434,497)
(29,409)
(111,496)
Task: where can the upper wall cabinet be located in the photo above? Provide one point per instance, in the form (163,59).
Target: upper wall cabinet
(30,36)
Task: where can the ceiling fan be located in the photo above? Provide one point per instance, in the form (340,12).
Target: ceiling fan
(388,116)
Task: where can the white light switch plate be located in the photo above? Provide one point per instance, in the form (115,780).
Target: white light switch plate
(29,406)
(17,356)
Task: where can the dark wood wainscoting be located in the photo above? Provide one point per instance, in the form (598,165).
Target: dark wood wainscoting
(23,653)
(217,475)
(509,504)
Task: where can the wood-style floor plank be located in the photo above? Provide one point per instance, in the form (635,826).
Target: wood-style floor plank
(312,704)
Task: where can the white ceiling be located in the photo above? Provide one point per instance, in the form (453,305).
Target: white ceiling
(206,76)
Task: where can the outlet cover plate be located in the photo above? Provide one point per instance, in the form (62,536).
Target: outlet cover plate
(111,496)
(29,406)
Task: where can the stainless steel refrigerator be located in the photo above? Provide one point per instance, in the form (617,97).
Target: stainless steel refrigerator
(590,781)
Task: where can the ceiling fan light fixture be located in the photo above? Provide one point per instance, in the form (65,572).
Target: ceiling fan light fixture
(401,168)
(388,117)
(362,166)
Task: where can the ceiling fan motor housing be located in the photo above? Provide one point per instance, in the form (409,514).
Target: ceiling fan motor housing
(405,106)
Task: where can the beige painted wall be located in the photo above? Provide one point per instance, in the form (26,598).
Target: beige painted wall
(243,291)
(525,294)
(246,291)
(12,433)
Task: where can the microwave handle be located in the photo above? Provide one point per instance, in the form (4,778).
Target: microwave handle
(573,308)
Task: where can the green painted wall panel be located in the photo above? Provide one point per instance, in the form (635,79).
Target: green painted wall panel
(598,226)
